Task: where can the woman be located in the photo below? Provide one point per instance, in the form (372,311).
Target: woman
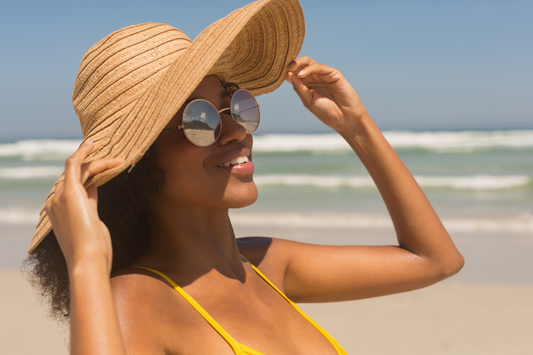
(170,179)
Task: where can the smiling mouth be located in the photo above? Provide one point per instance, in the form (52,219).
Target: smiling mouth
(239,160)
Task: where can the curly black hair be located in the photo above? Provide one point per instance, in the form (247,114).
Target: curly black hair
(122,205)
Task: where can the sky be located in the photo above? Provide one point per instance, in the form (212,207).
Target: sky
(417,65)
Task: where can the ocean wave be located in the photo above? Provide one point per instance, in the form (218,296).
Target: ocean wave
(31,172)
(512,224)
(515,224)
(19,215)
(460,142)
(443,141)
(474,182)
(40,149)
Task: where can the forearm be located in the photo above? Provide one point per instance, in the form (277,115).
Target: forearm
(94,323)
(418,228)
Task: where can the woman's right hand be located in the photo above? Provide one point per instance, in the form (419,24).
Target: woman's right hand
(72,210)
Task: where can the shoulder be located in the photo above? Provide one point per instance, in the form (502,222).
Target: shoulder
(271,256)
(140,300)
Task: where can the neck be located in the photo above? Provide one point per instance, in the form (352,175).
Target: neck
(192,241)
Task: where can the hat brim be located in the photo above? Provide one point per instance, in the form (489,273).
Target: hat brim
(251,47)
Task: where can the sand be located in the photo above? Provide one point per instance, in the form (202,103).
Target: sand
(486,309)
(449,318)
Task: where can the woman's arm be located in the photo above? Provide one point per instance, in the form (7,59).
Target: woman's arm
(425,254)
(86,245)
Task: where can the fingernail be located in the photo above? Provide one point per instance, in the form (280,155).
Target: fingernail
(301,72)
(291,63)
(88,142)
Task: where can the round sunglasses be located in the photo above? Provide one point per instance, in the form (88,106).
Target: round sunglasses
(202,123)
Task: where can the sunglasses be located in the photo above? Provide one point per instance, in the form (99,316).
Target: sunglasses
(202,123)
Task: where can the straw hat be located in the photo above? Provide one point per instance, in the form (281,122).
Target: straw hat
(132,82)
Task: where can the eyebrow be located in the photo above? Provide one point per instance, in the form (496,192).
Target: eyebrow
(224,94)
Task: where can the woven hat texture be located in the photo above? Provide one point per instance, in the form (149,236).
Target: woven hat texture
(132,82)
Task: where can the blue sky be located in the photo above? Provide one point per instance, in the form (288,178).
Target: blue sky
(419,65)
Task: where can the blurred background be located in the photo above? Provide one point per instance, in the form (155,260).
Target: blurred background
(449,83)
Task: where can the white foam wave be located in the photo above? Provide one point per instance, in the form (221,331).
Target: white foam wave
(443,141)
(462,141)
(299,142)
(474,182)
(517,224)
(40,149)
(19,215)
(314,181)
(31,172)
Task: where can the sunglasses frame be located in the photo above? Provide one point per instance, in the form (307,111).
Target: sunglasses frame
(219,117)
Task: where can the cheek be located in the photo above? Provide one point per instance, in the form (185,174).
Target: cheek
(182,165)
(185,175)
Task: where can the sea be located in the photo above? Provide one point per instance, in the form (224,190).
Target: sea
(477,181)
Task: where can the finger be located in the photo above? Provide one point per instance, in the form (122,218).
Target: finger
(316,68)
(74,162)
(300,63)
(303,91)
(97,166)
(56,194)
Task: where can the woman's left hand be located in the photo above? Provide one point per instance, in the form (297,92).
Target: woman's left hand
(325,92)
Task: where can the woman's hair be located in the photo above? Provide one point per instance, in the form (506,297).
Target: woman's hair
(122,203)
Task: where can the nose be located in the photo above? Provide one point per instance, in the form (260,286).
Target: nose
(231,130)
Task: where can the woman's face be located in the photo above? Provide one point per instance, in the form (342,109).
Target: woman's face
(195,176)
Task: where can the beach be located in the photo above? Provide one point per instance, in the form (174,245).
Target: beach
(485,309)
(313,189)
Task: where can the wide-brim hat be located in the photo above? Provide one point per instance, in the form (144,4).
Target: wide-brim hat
(132,82)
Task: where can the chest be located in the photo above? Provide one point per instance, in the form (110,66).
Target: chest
(263,321)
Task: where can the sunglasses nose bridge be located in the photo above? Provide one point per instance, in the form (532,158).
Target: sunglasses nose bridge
(226,111)
(230,130)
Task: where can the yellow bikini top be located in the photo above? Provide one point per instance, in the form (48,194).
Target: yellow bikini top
(238,348)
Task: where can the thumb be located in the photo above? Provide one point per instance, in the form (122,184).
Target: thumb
(303,91)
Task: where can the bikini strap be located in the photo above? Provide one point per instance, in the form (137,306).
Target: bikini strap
(229,339)
(332,340)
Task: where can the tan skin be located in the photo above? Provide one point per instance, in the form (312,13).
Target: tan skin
(192,242)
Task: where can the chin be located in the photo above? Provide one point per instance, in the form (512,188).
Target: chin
(243,197)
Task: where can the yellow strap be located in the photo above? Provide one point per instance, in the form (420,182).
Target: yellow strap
(229,339)
(241,349)
(332,340)
(249,351)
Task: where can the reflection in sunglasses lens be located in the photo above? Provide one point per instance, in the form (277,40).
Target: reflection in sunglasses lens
(244,110)
(201,122)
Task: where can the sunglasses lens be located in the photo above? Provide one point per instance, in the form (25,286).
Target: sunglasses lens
(245,110)
(201,123)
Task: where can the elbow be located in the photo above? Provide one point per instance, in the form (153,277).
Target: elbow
(456,266)
(451,266)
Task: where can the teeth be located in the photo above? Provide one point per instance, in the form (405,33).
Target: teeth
(238,160)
